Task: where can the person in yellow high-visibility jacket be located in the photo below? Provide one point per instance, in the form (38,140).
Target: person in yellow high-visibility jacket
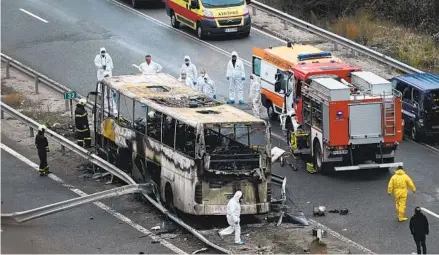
(398,185)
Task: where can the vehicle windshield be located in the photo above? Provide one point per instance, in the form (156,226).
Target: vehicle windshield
(221,3)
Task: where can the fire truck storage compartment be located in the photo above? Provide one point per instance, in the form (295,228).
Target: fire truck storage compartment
(372,83)
(365,123)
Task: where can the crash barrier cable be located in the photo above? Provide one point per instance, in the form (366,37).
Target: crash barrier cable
(336,39)
(96,160)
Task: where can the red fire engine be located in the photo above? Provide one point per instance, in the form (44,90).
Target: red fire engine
(347,126)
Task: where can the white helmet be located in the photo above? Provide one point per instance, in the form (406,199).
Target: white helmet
(151,114)
(83,101)
(42,127)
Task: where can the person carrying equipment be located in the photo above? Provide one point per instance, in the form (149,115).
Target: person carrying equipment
(398,185)
(81,124)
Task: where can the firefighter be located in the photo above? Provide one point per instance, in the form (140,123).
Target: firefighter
(81,124)
(398,185)
(43,148)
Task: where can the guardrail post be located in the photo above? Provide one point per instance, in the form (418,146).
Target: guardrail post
(253,11)
(66,104)
(285,25)
(31,132)
(63,150)
(335,46)
(2,114)
(8,65)
(37,81)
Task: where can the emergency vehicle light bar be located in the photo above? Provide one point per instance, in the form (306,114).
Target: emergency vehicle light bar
(306,56)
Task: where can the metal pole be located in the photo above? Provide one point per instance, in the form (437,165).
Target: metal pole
(8,65)
(2,114)
(31,132)
(66,103)
(63,150)
(37,80)
(71,108)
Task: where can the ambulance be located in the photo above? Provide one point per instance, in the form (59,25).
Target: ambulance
(305,61)
(211,17)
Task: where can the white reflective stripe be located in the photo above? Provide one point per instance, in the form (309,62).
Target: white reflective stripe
(409,113)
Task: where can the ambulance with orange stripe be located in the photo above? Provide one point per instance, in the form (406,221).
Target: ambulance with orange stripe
(211,17)
(344,118)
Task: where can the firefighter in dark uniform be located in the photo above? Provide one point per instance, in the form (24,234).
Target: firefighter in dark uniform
(81,124)
(43,148)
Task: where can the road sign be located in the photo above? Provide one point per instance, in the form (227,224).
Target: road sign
(70,95)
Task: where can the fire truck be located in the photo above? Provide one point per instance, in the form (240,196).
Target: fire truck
(305,61)
(347,126)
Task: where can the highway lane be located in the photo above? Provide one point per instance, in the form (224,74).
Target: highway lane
(76,33)
(86,229)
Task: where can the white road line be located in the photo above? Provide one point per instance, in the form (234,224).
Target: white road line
(430,212)
(269,35)
(33,15)
(98,204)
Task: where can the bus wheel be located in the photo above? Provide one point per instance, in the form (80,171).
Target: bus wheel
(169,197)
(174,22)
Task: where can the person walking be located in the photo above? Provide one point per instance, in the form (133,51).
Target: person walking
(43,148)
(104,64)
(233,218)
(419,229)
(398,185)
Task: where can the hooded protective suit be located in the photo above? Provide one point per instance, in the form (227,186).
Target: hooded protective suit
(236,75)
(104,63)
(398,185)
(189,68)
(233,218)
(207,86)
(419,229)
(255,95)
(109,95)
(187,80)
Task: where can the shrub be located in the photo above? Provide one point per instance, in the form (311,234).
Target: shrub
(14,99)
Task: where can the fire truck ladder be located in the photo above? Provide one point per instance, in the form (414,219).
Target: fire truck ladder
(389,116)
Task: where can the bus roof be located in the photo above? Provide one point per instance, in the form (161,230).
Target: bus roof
(166,94)
(299,53)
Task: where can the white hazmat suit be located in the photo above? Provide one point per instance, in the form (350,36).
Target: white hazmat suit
(109,95)
(104,63)
(233,218)
(236,75)
(151,68)
(187,80)
(189,68)
(207,86)
(255,95)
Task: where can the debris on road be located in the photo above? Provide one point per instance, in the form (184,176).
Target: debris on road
(155,228)
(200,250)
(319,211)
(341,211)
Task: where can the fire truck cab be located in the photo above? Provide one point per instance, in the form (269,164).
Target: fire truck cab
(290,66)
(348,126)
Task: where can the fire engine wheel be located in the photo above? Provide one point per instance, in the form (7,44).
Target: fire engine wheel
(319,165)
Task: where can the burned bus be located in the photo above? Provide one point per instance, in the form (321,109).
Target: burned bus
(197,151)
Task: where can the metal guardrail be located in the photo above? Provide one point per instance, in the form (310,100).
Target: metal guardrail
(93,158)
(336,39)
(71,203)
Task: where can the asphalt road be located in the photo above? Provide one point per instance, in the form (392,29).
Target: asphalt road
(86,229)
(64,49)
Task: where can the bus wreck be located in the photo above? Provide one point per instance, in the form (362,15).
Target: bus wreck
(197,151)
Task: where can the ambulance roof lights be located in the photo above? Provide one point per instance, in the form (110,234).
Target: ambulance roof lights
(306,56)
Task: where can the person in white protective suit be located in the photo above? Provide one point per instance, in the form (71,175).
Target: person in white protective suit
(187,80)
(236,76)
(255,95)
(189,68)
(109,95)
(149,66)
(206,85)
(233,218)
(104,63)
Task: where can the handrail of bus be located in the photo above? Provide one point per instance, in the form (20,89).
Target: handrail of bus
(336,39)
(93,158)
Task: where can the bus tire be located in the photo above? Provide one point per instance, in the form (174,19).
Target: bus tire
(174,22)
(169,198)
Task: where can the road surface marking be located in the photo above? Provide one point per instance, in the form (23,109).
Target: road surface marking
(98,204)
(430,212)
(33,15)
